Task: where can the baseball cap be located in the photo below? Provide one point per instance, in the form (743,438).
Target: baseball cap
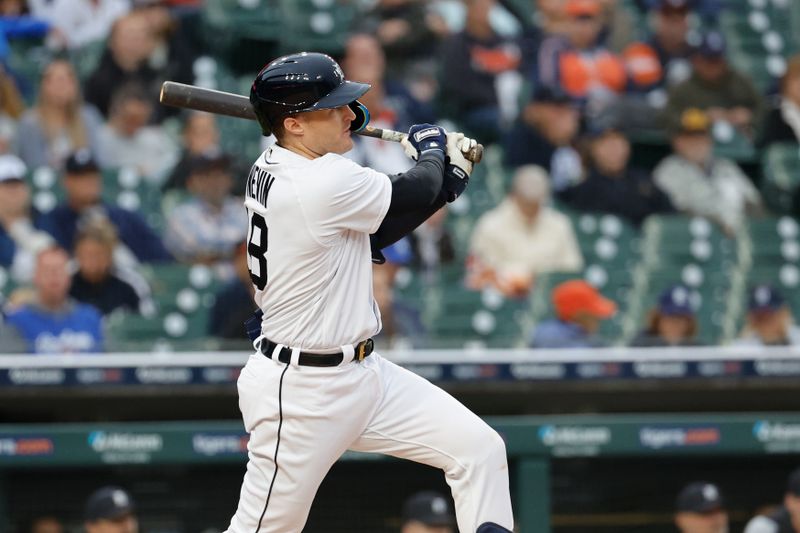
(676,301)
(691,121)
(430,508)
(711,45)
(673,5)
(576,296)
(764,298)
(582,8)
(550,95)
(793,483)
(699,497)
(108,503)
(208,162)
(81,162)
(11,168)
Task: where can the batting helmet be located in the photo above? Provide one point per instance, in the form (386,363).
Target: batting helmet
(307,81)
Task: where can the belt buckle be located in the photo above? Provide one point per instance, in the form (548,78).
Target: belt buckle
(361,349)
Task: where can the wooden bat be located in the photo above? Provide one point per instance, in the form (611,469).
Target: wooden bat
(235,105)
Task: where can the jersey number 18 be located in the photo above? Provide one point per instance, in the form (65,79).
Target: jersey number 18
(257,250)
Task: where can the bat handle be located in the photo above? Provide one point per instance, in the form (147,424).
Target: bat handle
(475,155)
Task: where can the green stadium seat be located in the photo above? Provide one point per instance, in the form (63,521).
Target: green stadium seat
(781,176)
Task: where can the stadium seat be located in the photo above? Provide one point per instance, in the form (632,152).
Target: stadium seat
(781,176)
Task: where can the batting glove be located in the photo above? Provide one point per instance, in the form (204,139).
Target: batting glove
(424,137)
(457,167)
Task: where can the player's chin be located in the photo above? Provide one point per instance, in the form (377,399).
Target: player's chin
(347,142)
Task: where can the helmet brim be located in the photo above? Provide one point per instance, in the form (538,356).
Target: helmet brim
(347,92)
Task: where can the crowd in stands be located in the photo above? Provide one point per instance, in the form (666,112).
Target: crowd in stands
(562,90)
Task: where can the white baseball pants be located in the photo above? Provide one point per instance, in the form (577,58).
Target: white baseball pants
(301,419)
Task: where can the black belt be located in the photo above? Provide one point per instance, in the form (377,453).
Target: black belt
(362,350)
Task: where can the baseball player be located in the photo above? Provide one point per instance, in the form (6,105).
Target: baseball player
(314,388)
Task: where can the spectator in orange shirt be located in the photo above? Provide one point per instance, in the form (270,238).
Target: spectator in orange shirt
(590,73)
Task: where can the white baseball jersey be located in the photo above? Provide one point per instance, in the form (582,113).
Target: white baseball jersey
(308,247)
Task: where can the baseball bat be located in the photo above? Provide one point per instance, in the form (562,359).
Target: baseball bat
(235,105)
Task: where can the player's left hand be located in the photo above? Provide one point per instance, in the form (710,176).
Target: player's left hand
(457,167)
(424,137)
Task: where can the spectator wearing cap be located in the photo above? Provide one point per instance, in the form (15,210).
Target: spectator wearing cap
(698,182)
(769,319)
(127,140)
(95,282)
(83,203)
(700,508)
(53,323)
(23,230)
(784,519)
(59,122)
(200,136)
(233,303)
(782,123)
(727,95)
(579,309)
(427,512)
(545,134)
(577,62)
(611,184)
(208,225)
(110,510)
(672,322)
(522,237)
(473,61)
(662,60)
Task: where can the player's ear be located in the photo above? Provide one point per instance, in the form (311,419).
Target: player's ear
(292,125)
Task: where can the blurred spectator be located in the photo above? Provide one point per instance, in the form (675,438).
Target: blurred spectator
(672,322)
(727,95)
(200,137)
(12,106)
(364,61)
(95,282)
(580,309)
(207,226)
(474,63)
(127,141)
(16,23)
(544,136)
(769,320)
(172,56)
(43,524)
(234,303)
(577,63)
(697,182)
(782,123)
(83,203)
(54,323)
(611,185)
(786,519)
(59,123)
(522,237)
(432,244)
(110,510)
(124,61)
(699,508)
(79,22)
(427,512)
(23,230)
(662,60)
(405,30)
(384,275)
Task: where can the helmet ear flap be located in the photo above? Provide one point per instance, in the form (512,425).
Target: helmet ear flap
(362,116)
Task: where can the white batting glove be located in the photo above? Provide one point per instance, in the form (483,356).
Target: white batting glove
(458,146)
(409,149)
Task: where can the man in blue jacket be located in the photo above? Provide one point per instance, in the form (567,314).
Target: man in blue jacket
(83,186)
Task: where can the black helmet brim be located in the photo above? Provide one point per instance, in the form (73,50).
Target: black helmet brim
(344,94)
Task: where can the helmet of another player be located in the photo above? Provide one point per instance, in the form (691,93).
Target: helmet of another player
(307,81)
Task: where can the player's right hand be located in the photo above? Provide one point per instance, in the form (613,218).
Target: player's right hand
(423,138)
